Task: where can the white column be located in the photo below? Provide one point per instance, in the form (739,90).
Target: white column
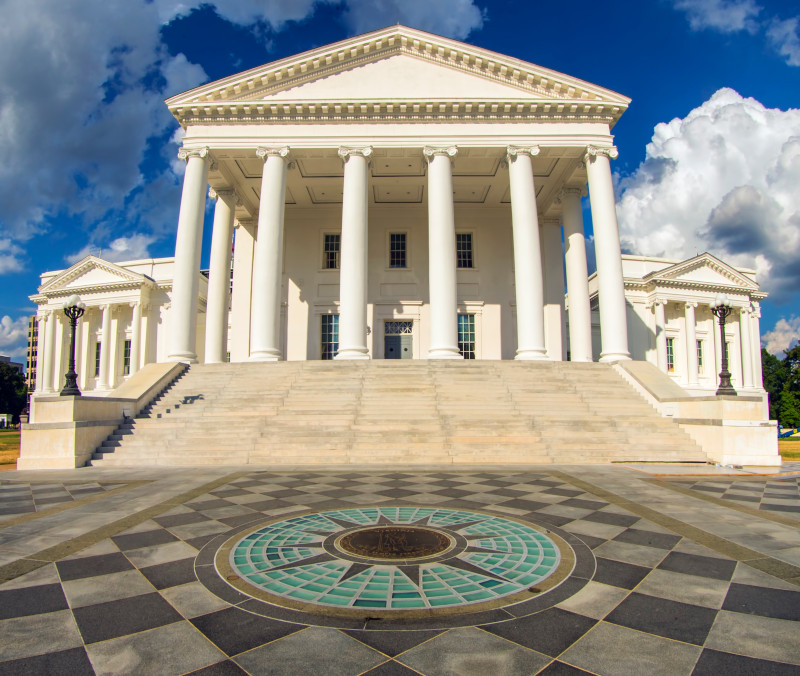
(244,247)
(136,336)
(219,277)
(553,267)
(145,349)
(747,347)
(105,348)
(528,276)
(442,286)
(661,335)
(188,244)
(265,317)
(755,340)
(41,337)
(59,368)
(354,255)
(46,352)
(611,289)
(692,367)
(580,315)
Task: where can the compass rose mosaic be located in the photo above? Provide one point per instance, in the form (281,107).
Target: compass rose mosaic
(395,559)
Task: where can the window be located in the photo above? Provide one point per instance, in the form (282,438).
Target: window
(466,336)
(397,250)
(126,358)
(670,355)
(700,356)
(330,336)
(330,251)
(464,250)
(97,349)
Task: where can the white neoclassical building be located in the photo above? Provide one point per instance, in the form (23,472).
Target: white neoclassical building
(398,193)
(670,323)
(395,195)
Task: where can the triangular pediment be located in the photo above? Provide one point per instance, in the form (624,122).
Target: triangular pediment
(704,270)
(393,71)
(399,76)
(92,273)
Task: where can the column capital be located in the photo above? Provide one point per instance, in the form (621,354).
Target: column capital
(691,304)
(185,153)
(228,195)
(430,151)
(512,152)
(571,192)
(264,152)
(345,152)
(593,152)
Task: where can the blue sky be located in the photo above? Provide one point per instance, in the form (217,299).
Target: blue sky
(709,148)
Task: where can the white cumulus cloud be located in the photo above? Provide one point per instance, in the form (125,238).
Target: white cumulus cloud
(784,36)
(724,179)
(785,335)
(14,337)
(121,249)
(726,16)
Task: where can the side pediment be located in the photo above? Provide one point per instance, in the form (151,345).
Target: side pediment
(706,270)
(92,273)
(408,69)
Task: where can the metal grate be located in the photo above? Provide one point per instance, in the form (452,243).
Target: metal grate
(398,328)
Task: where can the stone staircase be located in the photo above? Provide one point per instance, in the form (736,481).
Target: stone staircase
(397,413)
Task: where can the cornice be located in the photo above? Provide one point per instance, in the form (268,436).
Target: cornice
(388,112)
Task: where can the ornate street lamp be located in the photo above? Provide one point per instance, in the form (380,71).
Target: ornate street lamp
(74,309)
(722,309)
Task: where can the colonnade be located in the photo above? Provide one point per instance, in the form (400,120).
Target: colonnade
(53,339)
(443,340)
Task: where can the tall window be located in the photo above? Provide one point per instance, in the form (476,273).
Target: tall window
(397,250)
(464,250)
(330,252)
(330,336)
(466,336)
(126,358)
(670,354)
(700,356)
(97,348)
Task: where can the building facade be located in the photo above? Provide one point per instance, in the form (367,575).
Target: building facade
(670,323)
(398,194)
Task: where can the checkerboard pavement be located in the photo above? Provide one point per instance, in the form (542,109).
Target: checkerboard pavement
(24,498)
(773,495)
(659,602)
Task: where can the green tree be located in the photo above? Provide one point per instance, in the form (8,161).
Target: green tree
(13,392)
(775,376)
(789,414)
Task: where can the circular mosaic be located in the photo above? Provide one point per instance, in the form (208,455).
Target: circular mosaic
(396,559)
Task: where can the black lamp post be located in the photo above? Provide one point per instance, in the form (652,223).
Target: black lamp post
(74,309)
(722,309)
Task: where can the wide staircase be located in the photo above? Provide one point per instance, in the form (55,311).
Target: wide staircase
(397,413)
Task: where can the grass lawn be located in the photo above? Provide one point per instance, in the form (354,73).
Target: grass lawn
(9,447)
(789,448)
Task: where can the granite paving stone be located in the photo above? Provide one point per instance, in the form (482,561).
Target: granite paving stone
(88,591)
(715,662)
(111,619)
(754,636)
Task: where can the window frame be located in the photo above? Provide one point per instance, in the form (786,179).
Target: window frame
(328,348)
(407,252)
(472,349)
(670,354)
(473,261)
(324,260)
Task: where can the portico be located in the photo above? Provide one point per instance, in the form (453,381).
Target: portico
(393,177)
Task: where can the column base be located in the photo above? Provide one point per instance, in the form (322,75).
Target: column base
(185,357)
(444,353)
(265,355)
(532,355)
(614,356)
(352,353)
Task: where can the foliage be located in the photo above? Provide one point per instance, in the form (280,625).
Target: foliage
(13,393)
(782,383)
